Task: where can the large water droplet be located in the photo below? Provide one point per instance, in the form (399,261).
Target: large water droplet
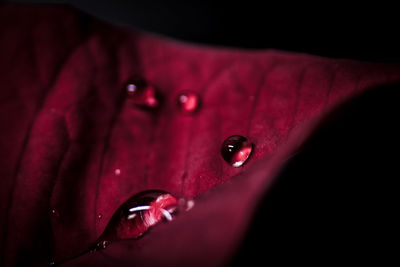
(134,218)
(142,94)
(138,214)
(236,149)
(189,102)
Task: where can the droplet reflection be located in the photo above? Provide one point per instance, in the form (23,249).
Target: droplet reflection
(142,94)
(136,216)
(189,102)
(236,149)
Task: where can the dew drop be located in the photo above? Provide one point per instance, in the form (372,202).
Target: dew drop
(131,89)
(134,217)
(189,102)
(117,172)
(186,204)
(142,94)
(138,214)
(100,245)
(236,149)
(189,204)
(103,244)
(54,213)
(99,216)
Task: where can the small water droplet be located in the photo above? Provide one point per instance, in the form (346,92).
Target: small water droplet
(131,89)
(189,204)
(52,263)
(236,150)
(117,172)
(142,94)
(54,213)
(186,204)
(99,216)
(189,102)
(103,244)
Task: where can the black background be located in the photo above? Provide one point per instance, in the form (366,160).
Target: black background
(329,29)
(334,201)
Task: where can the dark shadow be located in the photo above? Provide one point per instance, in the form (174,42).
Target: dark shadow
(331,29)
(337,200)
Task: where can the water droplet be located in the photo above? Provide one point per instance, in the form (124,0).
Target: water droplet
(142,94)
(133,218)
(103,244)
(131,89)
(189,204)
(236,150)
(99,216)
(100,245)
(138,214)
(54,213)
(186,204)
(52,263)
(117,172)
(189,102)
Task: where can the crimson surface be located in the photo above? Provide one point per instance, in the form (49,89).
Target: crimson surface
(67,126)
